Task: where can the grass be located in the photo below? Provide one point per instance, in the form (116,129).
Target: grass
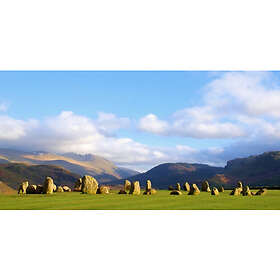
(161,201)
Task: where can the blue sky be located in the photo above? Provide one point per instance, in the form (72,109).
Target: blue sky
(122,93)
(140,119)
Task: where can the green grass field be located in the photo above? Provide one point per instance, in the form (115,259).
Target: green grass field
(161,201)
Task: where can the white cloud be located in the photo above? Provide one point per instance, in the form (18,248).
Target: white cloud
(151,123)
(241,106)
(69,132)
(12,129)
(234,105)
(109,123)
(246,93)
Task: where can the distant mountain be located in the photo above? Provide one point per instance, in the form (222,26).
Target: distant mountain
(257,170)
(168,174)
(103,170)
(15,173)
(16,166)
(260,170)
(125,172)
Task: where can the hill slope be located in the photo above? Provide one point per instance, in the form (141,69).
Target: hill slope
(260,170)
(103,170)
(168,174)
(15,173)
(257,170)
(5,189)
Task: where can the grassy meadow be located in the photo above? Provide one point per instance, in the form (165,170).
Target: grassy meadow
(161,201)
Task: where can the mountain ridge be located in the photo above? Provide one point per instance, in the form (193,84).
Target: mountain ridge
(255,170)
(101,168)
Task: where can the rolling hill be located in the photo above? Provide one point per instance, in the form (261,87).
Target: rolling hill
(15,173)
(103,170)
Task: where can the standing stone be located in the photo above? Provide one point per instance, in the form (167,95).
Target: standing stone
(149,190)
(48,186)
(59,189)
(39,189)
(186,187)
(246,191)
(66,189)
(148,186)
(89,185)
(127,186)
(262,191)
(178,187)
(78,185)
(214,191)
(236,191)
(103,190)
(239,184)
(31,189)
(194,190)
(23,187)
(135,188)
(205,187)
